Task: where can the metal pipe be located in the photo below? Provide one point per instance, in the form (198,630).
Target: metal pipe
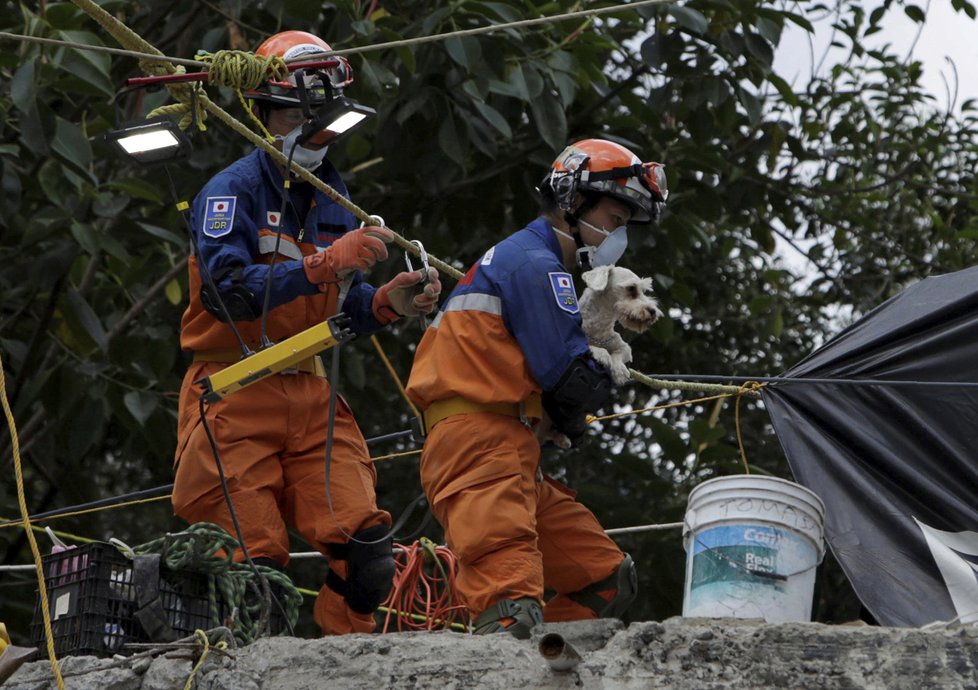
(558,652)
(203,76)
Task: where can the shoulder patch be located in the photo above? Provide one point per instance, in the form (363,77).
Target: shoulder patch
(564,293)
(487,258)
(219,215)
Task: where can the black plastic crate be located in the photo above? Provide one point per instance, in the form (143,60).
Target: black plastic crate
(93,600)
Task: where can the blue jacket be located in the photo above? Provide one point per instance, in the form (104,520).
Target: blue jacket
(510,328)
(235,219)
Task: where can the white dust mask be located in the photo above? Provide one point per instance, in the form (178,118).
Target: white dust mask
(608,252)
(310,159)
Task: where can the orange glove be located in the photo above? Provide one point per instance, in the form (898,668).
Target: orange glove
(356,250)
(400,297)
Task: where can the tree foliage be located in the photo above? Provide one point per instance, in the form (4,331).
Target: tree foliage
(859,169)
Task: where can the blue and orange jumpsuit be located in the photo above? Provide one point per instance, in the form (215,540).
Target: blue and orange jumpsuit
(507,333)
(272,435)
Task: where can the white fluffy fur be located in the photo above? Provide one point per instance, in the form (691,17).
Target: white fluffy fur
(616,295)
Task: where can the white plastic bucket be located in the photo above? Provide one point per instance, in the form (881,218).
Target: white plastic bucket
(752,545)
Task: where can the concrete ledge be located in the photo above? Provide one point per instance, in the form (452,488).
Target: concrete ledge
(691,653)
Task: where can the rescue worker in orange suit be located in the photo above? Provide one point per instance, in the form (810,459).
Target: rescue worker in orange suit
(505,366)
(271,436)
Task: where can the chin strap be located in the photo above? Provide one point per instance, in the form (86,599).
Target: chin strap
(584,252)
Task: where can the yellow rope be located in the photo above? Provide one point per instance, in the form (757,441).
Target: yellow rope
(201,638)
(746,389)
(396,455)
(92,510)
(754,387)
(393,373)
(25,514)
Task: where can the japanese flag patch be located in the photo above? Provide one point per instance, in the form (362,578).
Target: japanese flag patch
(273,218)
(564,293)
(219,215)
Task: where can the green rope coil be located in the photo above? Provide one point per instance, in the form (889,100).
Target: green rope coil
(238,69)
(198,549)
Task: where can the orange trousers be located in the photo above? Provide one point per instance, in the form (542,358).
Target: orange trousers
(513,532)
(272,442)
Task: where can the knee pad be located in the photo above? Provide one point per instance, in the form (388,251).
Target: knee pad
(370,570)
(625,583)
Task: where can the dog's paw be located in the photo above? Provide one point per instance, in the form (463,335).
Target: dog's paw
(619,372)
(624,353)
(602,356)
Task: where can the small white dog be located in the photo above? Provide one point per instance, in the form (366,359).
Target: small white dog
(615,294)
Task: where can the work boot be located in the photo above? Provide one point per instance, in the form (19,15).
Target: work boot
(515,617)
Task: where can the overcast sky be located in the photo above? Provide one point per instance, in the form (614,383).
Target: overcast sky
(946,34)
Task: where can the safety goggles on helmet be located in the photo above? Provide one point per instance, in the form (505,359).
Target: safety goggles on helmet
(320,84)
(606,168)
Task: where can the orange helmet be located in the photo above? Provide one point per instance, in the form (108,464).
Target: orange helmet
(606,168)
(301,46)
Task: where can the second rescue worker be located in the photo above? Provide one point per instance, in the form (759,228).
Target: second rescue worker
(505,358)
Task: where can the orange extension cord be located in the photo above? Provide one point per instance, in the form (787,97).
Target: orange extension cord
(424,596)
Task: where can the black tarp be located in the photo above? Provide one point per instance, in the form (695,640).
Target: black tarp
(895,463)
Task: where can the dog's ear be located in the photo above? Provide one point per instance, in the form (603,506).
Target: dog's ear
(597,278)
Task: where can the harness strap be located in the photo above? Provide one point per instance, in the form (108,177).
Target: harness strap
(527,411)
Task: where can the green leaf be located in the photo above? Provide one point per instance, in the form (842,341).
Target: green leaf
(448,140)
(139,188)
(550,121)
(492,116)
(174,292)
(164,234)
(140,405)
(85,235)
(72,144)
(689,19)
(507,88)
(752,105)
(87,318)
(769,29)
(760,48)
(464,50)
(23,87)
(93,68)
(533,80)
(406,55)
(784,88)
(915,13)
(503,11)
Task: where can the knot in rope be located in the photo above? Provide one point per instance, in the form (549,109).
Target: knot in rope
(242,70)
(190,102)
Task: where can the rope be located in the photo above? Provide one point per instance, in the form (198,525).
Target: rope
(197,549)
(200,637)
(747,389)
(35,551)
(393,373)
(747,386)
(89,510)
(152,54)
(621,7)
(424,594)
(193,97)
